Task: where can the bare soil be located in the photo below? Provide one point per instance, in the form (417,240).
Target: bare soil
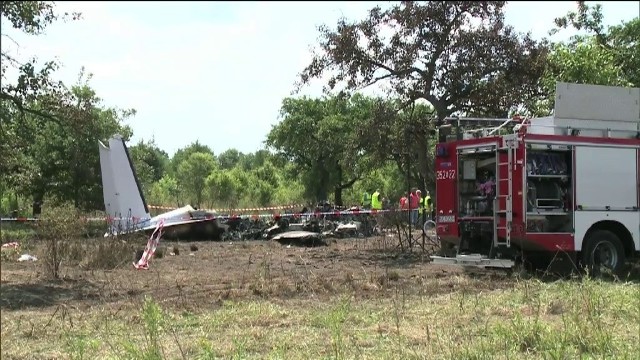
(219,271)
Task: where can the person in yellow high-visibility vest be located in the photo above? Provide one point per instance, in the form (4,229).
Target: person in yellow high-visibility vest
(366,200)
(376,202)
(425,207)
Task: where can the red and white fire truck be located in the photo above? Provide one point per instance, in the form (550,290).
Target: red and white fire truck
(563,186)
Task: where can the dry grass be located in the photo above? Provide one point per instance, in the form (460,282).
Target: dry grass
(353,299)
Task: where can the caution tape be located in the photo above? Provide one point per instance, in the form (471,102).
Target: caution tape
(19,219)
(25,219)
(267,208)
(234,216)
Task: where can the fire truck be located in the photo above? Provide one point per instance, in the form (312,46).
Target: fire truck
(564,186)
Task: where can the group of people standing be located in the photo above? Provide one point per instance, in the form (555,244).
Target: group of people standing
(419,206)
(374,201)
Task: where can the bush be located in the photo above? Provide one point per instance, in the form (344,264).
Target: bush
(57,227)
(107,254)
(65,235)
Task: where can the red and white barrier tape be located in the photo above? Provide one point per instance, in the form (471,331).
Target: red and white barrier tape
(267,208)
(151,247)
(19,219)
(236,216)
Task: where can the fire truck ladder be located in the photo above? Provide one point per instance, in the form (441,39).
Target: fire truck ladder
(509,144)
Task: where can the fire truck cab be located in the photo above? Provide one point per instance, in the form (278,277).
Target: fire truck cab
(562,186)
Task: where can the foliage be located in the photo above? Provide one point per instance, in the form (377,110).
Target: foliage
(322,137)
(34,93)
(184,153)
(604,56)
(457,55)
(619,42)
(149,161)
(49,131)
(57,228)
(192,173)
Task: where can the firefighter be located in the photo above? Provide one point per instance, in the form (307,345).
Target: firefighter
(366,200)
(376,202)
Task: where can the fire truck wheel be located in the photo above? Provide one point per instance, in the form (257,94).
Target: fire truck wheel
(603,249)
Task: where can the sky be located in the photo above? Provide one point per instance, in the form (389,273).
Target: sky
(216,72)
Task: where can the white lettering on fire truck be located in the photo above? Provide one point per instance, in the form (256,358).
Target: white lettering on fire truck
(442,219)
(445,174)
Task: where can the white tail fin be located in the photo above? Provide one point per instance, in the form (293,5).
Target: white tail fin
(123,198)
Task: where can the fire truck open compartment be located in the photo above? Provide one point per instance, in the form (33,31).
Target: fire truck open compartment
(549,186)
(476,186)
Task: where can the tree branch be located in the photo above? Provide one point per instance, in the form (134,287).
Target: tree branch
(25,110)
(349,183)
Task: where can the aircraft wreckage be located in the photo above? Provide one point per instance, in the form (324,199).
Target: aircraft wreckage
(127,212)
(302,228)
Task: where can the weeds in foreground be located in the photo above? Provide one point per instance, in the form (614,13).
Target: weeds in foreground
(575,319)
(335,322)
(81,346)
(151,348)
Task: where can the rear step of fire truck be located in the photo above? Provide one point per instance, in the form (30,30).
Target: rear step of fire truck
(509,145)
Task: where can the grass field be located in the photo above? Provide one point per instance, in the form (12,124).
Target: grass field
(356,298)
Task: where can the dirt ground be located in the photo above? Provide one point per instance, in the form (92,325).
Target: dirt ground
(219,271)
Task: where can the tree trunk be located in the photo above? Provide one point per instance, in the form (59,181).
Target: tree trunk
(322,191)
(38,198)
(337,195)
(423,161)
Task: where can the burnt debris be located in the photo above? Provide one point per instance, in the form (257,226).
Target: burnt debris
(308,227)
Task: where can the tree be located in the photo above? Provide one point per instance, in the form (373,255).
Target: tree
(223,188)
(229,159)
(436,53)
(618,43)
(608,56)
(403,137)
(253,160)
(34,94)
(192,175)
(150,162)
(320,137)
(166,191)
(49,131)
(184,153)
(459,56)
(31,17)
(581,61)
(62,157)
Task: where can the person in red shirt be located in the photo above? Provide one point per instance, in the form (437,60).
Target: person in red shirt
(414,202)
(403,202)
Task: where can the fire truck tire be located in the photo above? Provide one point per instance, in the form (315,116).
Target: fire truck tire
(611,252)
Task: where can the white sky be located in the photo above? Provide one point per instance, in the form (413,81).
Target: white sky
(216,71)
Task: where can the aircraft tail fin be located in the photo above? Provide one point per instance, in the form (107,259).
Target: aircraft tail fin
(123,197)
